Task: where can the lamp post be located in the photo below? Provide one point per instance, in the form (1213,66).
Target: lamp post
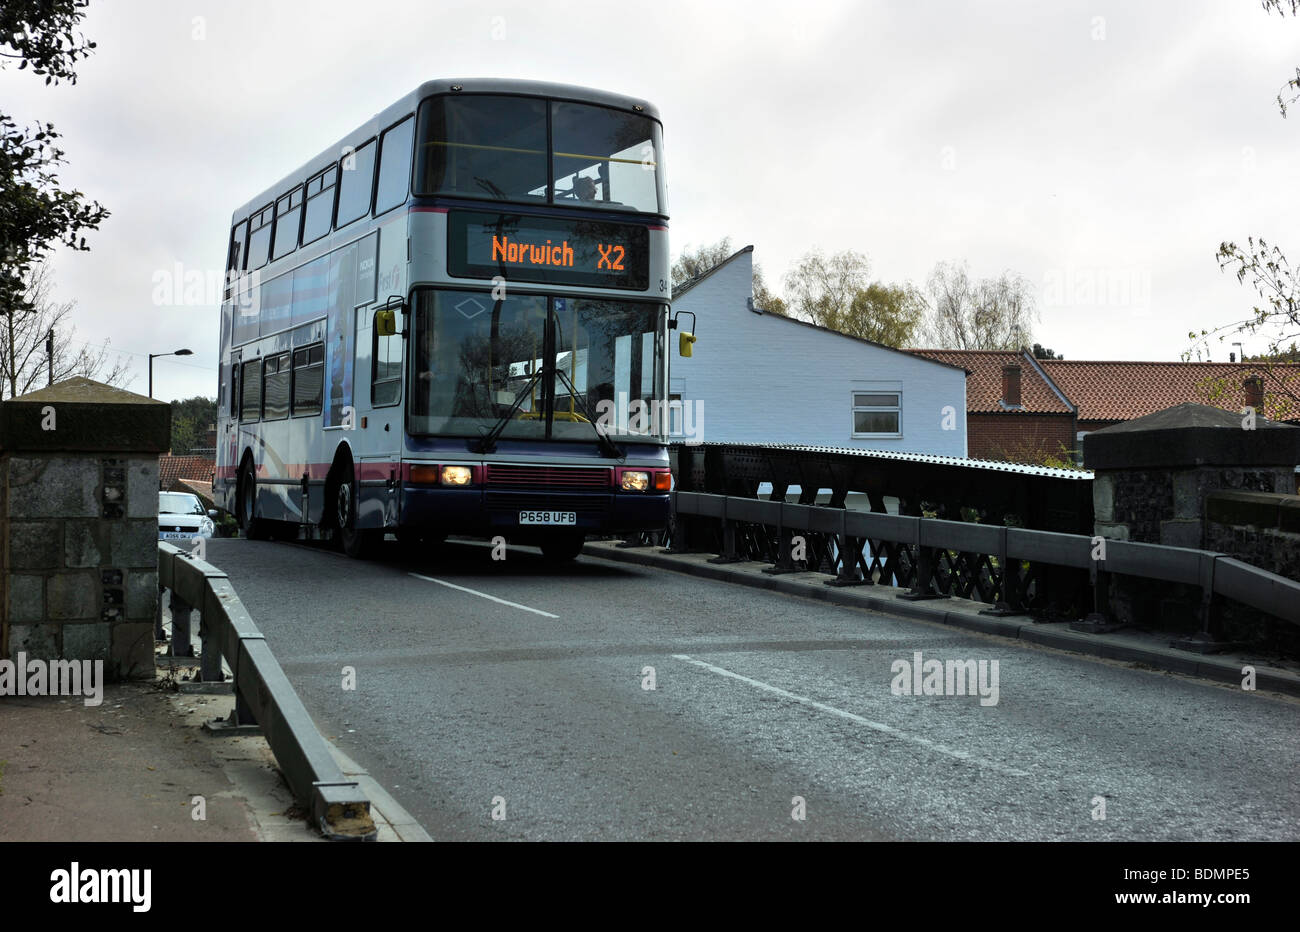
(153,356)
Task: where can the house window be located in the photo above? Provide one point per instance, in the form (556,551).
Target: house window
(877,414)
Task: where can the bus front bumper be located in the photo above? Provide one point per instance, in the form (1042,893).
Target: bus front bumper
(507,512)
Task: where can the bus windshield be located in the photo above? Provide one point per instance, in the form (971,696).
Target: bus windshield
(497,147)
(475,359)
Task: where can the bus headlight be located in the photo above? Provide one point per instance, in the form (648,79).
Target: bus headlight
(635,480)
(456,475)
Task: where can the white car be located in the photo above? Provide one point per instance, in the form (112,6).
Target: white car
(181,516)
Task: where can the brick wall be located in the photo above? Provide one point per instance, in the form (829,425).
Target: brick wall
(1019,437)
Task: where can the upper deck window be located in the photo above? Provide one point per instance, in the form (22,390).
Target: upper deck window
(394,166)
(483,146)
(288,217)
(320,205)
(604,158)
(358,184)
(496,148)
(259,237)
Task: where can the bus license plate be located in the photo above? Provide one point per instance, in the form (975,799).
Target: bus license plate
(548,517)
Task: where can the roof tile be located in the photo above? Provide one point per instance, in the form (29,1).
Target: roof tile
(984,384)
(1121,391)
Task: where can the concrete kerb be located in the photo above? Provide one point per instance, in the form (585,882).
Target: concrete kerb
(391,819)
(390,816)
(957,613)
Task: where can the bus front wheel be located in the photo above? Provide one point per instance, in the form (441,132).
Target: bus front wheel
(358,543)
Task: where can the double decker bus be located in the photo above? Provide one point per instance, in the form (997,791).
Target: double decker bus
(454,321)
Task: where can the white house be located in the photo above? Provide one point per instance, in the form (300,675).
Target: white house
(763,378)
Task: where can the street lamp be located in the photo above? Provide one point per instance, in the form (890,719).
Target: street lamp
(153,356)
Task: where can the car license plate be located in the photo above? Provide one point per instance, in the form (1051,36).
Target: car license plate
(548,517)
(177,535)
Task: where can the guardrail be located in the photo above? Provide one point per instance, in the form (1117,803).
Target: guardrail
(337,805)
(1001,565)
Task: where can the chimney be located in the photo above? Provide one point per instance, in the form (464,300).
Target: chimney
(1011,385)
(1254,387)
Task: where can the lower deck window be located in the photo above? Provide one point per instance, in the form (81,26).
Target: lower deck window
(308,370)
(275,393)
(250,401)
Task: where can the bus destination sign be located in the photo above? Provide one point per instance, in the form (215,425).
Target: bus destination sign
(549,250)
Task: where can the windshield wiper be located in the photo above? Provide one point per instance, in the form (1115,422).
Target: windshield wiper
(607,446)
(488,442)
(489,187)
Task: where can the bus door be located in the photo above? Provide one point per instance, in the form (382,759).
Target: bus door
(379,332)
(227,442)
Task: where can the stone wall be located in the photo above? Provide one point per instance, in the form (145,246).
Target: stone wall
(1159,480)
(1258,528)
(1261,529)
(1164,506)
(79,521)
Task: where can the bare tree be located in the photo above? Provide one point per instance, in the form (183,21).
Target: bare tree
(1290,91)
(837,292)
(24,334)
(821,286)
(693,262)
(989,314)
(1265,266)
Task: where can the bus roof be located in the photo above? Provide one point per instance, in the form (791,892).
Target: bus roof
(407,104)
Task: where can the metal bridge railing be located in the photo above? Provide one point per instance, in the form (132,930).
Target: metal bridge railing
(1009,567)
(264,694)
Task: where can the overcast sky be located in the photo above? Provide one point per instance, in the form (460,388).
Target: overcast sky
(1101,150)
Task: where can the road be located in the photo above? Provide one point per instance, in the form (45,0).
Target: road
(516,689)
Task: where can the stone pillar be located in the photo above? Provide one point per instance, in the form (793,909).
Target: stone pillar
(79,525)
(1152,475)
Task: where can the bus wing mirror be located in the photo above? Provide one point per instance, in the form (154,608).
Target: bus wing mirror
(386,316)
(684,339)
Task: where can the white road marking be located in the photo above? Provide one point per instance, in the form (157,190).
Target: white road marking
(484,595)
(875,726)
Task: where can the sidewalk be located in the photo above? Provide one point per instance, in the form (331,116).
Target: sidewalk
(131,768)
(1140,648)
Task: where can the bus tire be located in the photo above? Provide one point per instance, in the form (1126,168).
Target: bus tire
(255,528)
(562,548)
(358,543)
